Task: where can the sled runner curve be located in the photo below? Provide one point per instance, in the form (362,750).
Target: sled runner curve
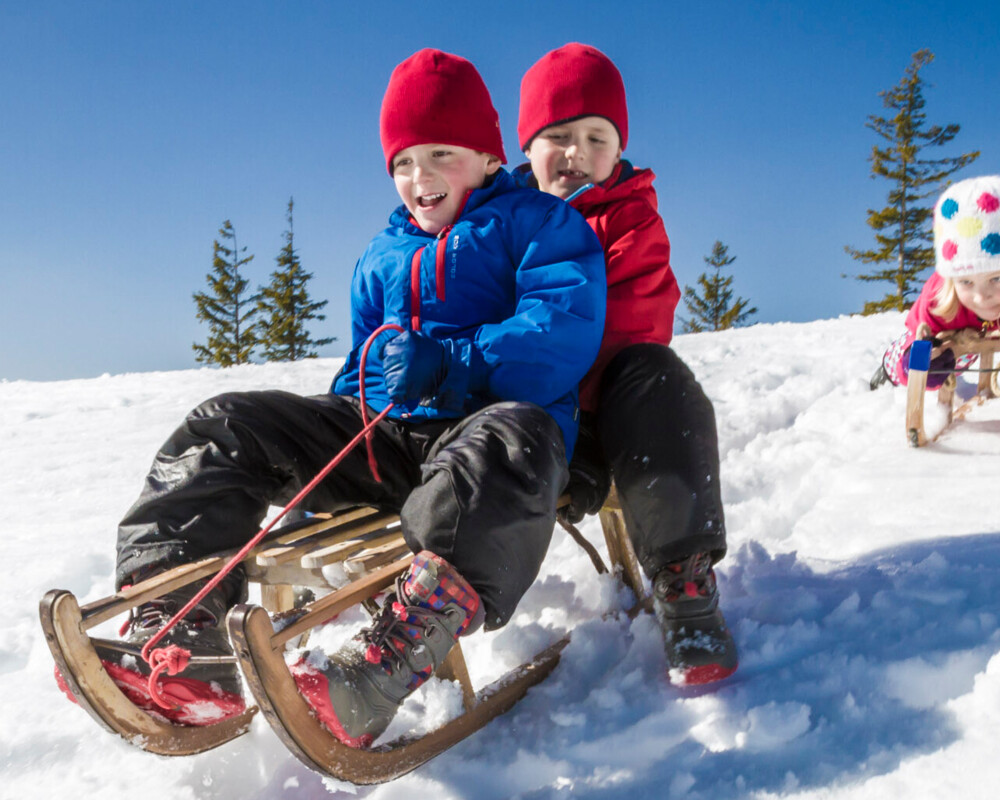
(302,733)
(93,689)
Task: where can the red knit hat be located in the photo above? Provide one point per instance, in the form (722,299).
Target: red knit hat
(435,97)
(574,81)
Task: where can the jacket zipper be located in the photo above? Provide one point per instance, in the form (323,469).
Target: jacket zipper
(440,254)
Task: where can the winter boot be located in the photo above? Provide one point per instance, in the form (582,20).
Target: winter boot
(357,691)
(699,647)
(879,377)
(203,693)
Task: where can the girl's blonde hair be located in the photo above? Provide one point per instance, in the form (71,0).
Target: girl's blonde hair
(945,303)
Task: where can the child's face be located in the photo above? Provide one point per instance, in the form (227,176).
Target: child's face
(433,179)
(980,294)
(569,155)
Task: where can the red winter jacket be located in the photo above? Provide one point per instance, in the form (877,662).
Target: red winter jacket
(896,358)
(642,290)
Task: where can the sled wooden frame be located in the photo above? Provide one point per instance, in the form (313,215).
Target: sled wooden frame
(369,546)
(260,650)
(967,341)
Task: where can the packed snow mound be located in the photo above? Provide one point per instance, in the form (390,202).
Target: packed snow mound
(861,585)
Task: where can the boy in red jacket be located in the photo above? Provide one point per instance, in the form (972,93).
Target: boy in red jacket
(646,420)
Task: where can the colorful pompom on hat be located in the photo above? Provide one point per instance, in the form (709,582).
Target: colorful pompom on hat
(967,228)
(573,81)
(435,97)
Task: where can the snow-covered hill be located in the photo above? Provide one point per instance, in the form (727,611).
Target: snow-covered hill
(862,583)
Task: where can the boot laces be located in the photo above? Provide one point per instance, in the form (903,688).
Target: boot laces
(397,629)
(691,577)
(156,613)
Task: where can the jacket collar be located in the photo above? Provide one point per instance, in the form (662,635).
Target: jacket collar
(591,193)
(501,183)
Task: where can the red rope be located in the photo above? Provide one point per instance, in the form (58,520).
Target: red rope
(173,659)
(369,439)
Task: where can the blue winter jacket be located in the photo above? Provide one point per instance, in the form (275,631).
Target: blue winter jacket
(516,284)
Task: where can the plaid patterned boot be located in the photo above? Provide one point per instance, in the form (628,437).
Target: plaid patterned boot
(357,691)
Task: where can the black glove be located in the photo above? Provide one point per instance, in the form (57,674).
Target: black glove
(589,475)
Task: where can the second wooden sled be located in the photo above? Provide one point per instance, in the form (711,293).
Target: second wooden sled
(925,348)
(260,649)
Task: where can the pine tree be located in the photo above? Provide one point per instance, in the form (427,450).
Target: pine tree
(286,307)
(904,246)
(714,309)
(226,308)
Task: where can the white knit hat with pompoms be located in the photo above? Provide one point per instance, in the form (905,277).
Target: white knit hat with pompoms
(967,228)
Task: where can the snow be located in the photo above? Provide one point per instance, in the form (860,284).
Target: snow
(862,586)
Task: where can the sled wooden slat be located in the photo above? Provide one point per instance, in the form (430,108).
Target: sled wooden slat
(342,551)
(330,535)
(122,601)
(375,557)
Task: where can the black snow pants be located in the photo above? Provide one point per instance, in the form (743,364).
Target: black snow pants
(480,492)
(657,430)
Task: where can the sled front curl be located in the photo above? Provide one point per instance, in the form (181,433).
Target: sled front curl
(65,625)
(369,546)
(967,341)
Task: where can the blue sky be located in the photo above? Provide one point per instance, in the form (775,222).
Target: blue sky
(129,131)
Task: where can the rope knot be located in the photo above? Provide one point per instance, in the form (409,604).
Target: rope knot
(171,659)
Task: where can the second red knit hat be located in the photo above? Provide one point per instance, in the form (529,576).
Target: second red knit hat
(575,80)
(435,97)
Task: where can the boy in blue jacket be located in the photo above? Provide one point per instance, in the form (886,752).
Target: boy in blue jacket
(501,293)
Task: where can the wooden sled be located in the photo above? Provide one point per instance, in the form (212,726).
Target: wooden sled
(369,547)
(967,341)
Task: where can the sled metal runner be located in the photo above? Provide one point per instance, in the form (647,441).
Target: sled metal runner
(926,347)
(368,544)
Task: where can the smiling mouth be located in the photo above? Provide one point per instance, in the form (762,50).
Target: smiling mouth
(572,174)
(429,200)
